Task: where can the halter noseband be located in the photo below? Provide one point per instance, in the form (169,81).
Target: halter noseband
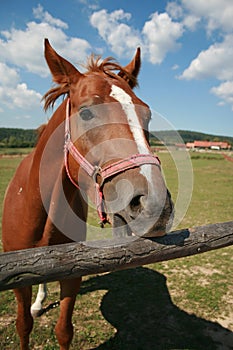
(95,171)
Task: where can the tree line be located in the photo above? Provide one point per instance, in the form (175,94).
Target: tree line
(169,137)
(14,138)
(23,138)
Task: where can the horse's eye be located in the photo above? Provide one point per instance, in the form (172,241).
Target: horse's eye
(86,114)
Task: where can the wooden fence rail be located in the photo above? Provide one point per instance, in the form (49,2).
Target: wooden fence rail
(47,264)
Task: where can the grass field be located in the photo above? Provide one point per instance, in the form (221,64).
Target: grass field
(180,304)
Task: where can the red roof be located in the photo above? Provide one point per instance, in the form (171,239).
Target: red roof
(190,144)
(204,144)
(208,144)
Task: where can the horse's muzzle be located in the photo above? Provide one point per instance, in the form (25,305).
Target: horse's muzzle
(135,210)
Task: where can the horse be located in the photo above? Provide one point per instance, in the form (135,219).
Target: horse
(96,146)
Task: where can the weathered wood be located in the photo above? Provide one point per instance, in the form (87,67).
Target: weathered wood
(46,264)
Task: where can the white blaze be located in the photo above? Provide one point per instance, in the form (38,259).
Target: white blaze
(128,107)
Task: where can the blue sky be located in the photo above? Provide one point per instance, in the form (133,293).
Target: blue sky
(187,55)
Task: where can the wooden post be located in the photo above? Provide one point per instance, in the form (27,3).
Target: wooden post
(47,264)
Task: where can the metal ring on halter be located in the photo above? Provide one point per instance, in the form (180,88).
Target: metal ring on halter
(67,137)
(97,171)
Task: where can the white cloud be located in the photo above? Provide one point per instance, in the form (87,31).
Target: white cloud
(44,16)
(225,92)
(190,22)
(90,4)
(24,48)
(177,12)
(19,96)
(14,94)
(174,10)
(175,67)
(161,35)
(216,61)
(218,14)
(158,36)
(106,22)
(119,36)
(214,14)
(9,76)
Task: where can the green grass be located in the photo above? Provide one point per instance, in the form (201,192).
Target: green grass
(15,151)
(212,199)
(179,304)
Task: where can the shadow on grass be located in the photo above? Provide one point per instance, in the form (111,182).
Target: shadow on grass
(139,306)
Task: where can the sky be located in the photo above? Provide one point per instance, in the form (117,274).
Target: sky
(187,55)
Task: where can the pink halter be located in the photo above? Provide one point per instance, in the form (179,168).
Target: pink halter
(94,171)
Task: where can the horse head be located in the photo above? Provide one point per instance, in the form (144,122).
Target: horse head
(107,147)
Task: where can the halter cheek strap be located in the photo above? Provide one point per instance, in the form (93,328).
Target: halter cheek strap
(95,171)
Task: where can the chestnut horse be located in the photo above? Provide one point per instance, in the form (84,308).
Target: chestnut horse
(104,127)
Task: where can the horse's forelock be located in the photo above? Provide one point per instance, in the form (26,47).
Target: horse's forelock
(107,66)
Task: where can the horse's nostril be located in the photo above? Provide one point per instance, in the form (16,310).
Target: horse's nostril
(135,204)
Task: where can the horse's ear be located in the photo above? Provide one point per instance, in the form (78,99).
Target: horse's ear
(63,72)
(132,69)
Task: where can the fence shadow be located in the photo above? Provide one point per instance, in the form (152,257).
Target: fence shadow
(139,306)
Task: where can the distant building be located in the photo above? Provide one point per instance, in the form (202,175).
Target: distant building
(215,145)
(190,145)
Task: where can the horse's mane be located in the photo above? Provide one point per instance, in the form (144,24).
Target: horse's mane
(107,66)
(39,131)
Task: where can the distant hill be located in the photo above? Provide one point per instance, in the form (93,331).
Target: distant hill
(170,136)
(10,137)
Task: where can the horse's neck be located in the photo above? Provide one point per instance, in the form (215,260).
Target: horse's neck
(52,137)
(48,155)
